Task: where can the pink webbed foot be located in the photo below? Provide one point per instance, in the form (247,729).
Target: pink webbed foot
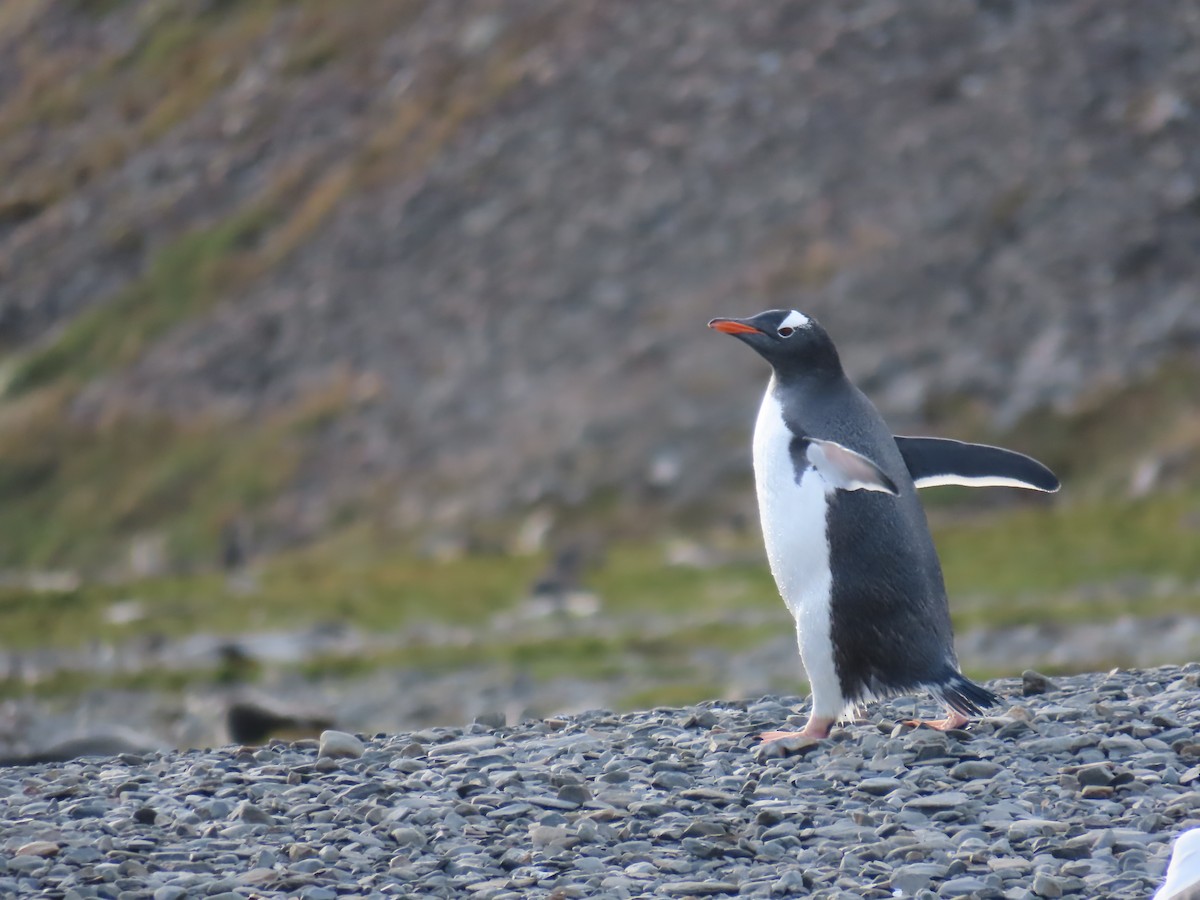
(952,721)
(814,728)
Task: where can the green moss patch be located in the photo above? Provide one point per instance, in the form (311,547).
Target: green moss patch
(184,279)
(1051,551)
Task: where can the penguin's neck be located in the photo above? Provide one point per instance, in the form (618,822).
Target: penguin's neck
(814,379)
(817,363)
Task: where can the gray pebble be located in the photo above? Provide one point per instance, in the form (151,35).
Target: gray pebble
(941,800)
(698,888)
(340,745)
(251,814)
(879,786)
(971,769)
(23,864)
(408,837)
(966,886)
(915,877)
(1047,885)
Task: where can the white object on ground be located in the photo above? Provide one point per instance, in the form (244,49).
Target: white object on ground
(1183,872)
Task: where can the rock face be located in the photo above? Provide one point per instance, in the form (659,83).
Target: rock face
(505,226)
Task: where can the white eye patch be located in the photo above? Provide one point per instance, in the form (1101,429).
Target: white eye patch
(795,319)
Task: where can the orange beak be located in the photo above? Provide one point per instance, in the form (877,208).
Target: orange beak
(733,326)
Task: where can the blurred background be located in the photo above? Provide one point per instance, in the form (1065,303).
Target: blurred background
(354,366)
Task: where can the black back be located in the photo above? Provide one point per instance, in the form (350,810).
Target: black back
(891,626)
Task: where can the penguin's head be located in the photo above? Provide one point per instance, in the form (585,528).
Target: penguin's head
(786,338)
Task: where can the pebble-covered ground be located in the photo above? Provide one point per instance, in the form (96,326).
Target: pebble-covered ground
(1077,791)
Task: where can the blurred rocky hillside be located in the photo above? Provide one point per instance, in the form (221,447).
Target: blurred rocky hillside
(297,263)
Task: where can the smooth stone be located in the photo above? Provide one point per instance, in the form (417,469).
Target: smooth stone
(1027,828)
(1056,746)
(1096,774)
(939,801)
(553,803)
(1120,744)
(971,769)
(1076,848)
(257,876)
(698,888)
(915,876)
(575,794)
(965,886)
(409,837)
(782,747)
(252,815)
(340,745)
(145,815)
(39,848)
(671,781)
(542,836)
(218,809)
(1047,885)
(465,745)
(511,811)
(790,884)
(87,811)
(363,791)
(1007,866)
(22,864)
(879,786)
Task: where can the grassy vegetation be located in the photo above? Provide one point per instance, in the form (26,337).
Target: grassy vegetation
(375,589)
(182,58)
(674,694)
(71,494)
(186,278)
(72,683)
(1052,550)
(178,62)
(1031,565)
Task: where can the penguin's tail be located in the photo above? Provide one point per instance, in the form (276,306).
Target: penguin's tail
(964,696)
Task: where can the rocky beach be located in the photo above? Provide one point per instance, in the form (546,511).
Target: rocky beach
(376,511)
(1076,788)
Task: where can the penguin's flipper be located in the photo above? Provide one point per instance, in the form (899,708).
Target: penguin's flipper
(845,469)
(938,461)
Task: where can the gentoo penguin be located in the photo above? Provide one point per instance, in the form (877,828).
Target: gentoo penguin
(845,534)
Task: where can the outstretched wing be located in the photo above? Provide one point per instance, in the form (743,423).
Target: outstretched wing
(938,461)
(840,466)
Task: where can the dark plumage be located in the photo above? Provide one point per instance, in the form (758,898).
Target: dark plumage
(878,606)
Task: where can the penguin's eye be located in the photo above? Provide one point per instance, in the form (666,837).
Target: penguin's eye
(786,331)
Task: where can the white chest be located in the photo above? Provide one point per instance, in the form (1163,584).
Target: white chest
(793,514)
(793,518)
